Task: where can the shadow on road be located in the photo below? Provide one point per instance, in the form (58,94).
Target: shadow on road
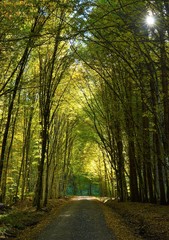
(82,219)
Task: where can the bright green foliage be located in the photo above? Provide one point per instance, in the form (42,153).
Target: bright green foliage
(84,101)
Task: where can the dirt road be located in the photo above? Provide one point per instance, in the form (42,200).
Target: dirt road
(80,220)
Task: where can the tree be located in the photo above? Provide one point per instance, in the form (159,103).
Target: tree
(17,74)
(126,59)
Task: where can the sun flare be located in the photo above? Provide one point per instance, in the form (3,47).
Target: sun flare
(150,20)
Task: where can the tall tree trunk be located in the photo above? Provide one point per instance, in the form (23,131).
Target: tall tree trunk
(147,162)
(134,192)
(47,88)
(133,174)
(4,177)
(26,149)
(120,165)
(46,179)
(39,186)
(165,88)
(157,139)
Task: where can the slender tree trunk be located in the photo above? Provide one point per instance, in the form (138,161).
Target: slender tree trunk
(147,162)
(134,192)
(157,141)
(133,175)
(46,182)
(160,172)
(4,177)
(121,171)
(26,149)
(165,88)
(39,186)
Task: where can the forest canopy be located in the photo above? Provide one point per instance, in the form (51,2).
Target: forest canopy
(84,100)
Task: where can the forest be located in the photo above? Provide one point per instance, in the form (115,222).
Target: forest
(84,100)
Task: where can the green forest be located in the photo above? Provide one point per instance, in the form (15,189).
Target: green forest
(84,100)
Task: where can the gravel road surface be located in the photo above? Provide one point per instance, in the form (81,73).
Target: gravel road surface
(80,220)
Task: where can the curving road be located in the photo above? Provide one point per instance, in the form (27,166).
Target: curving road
(82,219)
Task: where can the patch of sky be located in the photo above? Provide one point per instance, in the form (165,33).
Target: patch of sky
(43,11)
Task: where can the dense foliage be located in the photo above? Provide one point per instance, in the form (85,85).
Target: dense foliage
(84,105)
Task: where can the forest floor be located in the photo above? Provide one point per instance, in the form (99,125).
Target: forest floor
(141,220)
(128,221)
